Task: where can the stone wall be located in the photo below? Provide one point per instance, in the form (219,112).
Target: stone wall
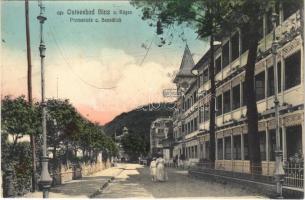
(73,172)
(88,169)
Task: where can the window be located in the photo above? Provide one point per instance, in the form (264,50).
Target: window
(219,149)
(235,46)
(195,123)
(187,127)
(269,25)
(237,147)
(196,151)
(227,148)
(260,86)
(270,88)
(207,145)
(205,75)
(294,141)
(193,152)
(227,101)
(201,114)
(218,65)
(293,70)
(244,43)
(236,97)
(225,55)
(246,147)
(262,142)
(187,152)
(206,112)
(290,8)
(244,97)
(219,105)
(202,151)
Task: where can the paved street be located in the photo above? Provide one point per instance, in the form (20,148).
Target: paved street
(82,188)
(135,181)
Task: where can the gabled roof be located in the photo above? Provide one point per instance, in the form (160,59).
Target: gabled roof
(187,64)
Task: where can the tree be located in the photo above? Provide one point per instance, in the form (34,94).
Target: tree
(134,145)
(247,15)
(19,118)
(63,125)
(206,17)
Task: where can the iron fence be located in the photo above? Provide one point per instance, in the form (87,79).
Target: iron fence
(294,175)
(294,172)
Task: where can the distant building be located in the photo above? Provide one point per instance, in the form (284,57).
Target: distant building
(161,135)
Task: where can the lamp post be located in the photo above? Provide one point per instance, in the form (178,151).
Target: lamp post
(279,171)
(45,179)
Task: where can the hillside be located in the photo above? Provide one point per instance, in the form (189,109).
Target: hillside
(138,120)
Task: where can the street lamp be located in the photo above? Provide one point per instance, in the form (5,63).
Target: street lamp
(45,179)
(279,171)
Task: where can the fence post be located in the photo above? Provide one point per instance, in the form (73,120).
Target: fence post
(8,184)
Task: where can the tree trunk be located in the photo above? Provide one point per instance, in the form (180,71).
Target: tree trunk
(212,102)
(250,94)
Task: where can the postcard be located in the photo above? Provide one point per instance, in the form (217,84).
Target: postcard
(152,99)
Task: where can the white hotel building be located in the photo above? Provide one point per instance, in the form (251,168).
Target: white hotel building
(191,121)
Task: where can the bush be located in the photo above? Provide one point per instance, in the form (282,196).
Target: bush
(18,158)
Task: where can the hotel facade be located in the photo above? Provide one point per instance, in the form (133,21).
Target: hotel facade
(191,118)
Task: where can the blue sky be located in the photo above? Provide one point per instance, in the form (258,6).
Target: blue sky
(100,54)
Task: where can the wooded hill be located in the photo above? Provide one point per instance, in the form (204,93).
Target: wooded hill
(138,121)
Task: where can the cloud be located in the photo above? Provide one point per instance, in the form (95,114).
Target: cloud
(134,84)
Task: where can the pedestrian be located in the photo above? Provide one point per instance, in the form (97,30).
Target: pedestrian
(153,169)
(161,173)
(176,161)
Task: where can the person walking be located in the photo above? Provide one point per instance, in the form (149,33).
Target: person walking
(153,169)
(161,173)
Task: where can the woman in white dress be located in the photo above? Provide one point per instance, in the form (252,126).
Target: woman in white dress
(153,169)
(161,174)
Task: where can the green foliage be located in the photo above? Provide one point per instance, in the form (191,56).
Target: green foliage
(19,118)
(66,128)
(134,145)
(206,17)
(18,158)
(138,121)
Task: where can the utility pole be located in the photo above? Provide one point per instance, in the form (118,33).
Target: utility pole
(45,180)
(57,87)
(279,171)
(302,10)
(30,99)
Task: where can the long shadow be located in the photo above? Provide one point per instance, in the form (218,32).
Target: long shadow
(181,185)
(81,187)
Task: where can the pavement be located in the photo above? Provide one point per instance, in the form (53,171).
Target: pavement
(136,182)
(87,187)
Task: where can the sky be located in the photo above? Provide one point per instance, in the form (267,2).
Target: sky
(83,57)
